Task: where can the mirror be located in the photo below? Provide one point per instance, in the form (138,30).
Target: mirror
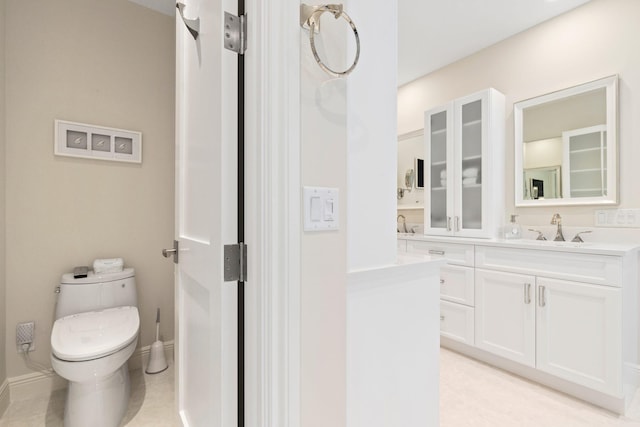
(566,146)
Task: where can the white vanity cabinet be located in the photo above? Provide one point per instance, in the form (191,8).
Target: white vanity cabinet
(464,166)
(571,330)
(565,316)
(457,291)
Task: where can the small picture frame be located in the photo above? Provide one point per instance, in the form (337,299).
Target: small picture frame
(97,142)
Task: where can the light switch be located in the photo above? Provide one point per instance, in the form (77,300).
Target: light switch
(321,210)
(328,210)
(316,208)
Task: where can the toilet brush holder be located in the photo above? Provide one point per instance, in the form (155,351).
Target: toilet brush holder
(157,361)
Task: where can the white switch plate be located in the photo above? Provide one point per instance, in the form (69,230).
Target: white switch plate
(321,208)
(628,218)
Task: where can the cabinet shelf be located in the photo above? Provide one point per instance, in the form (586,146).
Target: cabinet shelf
(439,163)
(472,123)
(475,158)
(585,150)
(586,170)
(438,131)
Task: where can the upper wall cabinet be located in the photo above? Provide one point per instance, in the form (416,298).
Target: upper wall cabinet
(464,166)
(566,146)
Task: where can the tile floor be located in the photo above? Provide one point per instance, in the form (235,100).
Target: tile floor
(151,404)
(472,394)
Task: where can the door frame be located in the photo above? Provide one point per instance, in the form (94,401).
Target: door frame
(272,214)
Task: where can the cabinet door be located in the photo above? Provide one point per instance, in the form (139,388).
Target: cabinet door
(505,315)
(579,333)
(470,140)
(438,136)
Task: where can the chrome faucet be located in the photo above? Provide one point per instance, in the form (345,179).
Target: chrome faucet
(404,222)
(557,220)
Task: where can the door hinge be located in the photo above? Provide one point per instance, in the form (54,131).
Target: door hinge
(235,262)
(235,33)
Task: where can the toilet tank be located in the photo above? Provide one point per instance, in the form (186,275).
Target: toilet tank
(96,292)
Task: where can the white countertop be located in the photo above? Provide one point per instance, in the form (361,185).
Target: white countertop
(600,248)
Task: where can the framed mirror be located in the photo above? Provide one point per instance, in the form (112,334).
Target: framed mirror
(566,150)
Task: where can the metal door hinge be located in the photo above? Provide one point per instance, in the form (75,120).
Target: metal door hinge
(235,262)
(235,33)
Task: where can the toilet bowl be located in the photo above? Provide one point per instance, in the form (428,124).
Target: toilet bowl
(91,348)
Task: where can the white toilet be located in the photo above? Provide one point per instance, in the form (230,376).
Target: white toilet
(95,333)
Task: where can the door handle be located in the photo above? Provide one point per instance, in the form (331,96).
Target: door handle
(527,293)
(172,252)
(541,299)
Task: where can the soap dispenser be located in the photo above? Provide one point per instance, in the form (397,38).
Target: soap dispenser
(513,230)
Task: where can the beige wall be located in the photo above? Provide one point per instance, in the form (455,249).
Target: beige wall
(323,269)
(109,63)
(3,372)
(596,40)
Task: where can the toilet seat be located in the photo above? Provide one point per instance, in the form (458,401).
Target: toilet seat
(95,334)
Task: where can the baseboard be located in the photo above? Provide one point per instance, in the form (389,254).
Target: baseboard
(5,397)
(27,386)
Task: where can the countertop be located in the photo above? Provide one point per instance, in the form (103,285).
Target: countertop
(599,248)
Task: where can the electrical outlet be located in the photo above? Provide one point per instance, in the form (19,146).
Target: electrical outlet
(25,335)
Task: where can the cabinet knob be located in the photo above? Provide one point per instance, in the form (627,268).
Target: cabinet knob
(442,281)
(441,318)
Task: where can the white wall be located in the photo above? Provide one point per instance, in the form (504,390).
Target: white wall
(107,63)
(595,40)
(372,150)
(323,269)
(3,364)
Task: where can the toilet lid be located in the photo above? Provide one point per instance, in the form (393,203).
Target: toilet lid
(94,334)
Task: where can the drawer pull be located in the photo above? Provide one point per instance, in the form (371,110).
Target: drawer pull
(541,299)
(441,318)
(442,281)
(527,293)
(435,252)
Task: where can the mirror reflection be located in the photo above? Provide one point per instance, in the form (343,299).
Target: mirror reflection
(565,149)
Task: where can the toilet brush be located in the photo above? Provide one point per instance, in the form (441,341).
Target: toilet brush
(157,361)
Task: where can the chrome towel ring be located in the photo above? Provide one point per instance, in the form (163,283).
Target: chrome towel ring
(310,19)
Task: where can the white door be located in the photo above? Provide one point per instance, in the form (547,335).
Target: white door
(206,218)
(579,333)
(505,313)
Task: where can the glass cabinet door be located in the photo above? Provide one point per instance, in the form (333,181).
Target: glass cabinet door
(438,171)
(470,166)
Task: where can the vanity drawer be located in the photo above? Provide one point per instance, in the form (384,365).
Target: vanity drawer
(456,322)
(456,284)
(454,253)
(579,267)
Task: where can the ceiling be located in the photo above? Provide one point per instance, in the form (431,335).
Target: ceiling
(434,33)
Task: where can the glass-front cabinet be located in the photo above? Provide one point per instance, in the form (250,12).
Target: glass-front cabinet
(464,166)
